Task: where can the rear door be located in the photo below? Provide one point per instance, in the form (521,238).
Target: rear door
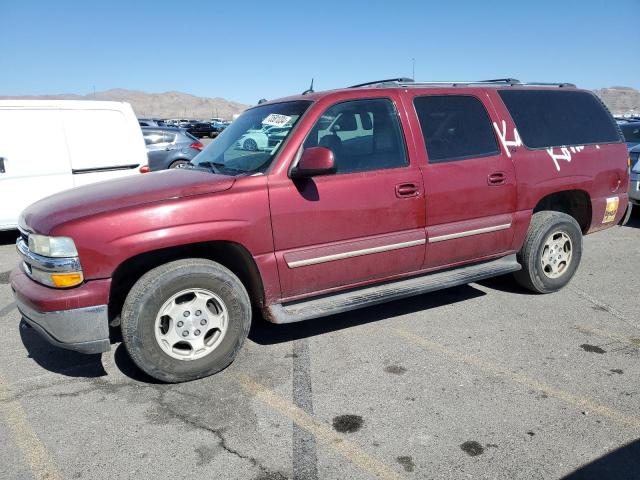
(362,224)
(32,166)
(469,183)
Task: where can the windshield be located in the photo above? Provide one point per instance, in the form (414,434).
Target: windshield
(251,142)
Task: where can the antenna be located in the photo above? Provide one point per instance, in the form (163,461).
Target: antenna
(310,89)
(261,101)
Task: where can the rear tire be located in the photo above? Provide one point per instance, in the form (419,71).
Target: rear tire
(551,252)
(178,164)
(162,349)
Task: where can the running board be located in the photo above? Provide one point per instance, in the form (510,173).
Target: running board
(375,294)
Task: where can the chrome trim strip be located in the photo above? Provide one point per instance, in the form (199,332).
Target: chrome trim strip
(468,233)
(47,264)
(80,171)
(355,253)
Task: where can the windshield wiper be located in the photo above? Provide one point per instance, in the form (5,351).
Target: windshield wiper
(222,166)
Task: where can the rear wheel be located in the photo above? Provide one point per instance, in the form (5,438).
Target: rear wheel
(179,164)
(185,320)
(551,252)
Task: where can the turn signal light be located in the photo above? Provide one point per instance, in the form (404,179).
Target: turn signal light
(145,169)
(65,280)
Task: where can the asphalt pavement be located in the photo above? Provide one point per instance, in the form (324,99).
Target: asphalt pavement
(479,381)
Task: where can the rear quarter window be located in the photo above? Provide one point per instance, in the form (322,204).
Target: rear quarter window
(556,118)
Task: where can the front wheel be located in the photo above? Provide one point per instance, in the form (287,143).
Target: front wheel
(551,252)
(185,320)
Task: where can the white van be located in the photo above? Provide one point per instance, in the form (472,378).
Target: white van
(47,146)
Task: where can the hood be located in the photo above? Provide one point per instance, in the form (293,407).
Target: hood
(120,193)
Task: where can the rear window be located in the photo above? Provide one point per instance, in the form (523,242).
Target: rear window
(631,132)
(556,118)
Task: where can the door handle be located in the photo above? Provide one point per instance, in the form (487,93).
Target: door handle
(497,178)
(2,169)
(407,190)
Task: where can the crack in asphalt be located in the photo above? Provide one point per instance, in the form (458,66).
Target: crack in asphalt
(219,433)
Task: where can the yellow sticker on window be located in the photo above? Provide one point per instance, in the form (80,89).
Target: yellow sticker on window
(611,210)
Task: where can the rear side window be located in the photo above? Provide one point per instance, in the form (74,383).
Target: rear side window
(556,118)
(631,132)
(153,137)
(455,127)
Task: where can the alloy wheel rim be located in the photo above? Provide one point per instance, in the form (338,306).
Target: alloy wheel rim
(556,254)
(191,324)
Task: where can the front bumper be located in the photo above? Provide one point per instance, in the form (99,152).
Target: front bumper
(83,328)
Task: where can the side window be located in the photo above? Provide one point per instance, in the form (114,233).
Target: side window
(631,132)
(153,138)
(559,117)
(362,134)
(169,137)
(455,127)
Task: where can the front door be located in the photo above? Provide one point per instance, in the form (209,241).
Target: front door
(361,224)
(470,185)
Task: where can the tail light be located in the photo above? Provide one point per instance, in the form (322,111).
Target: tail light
(144,169)
(197,145)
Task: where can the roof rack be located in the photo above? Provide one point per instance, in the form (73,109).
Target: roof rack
(382,82)
(408,82)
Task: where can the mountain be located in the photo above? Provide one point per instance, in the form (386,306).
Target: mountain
(163,105)
(620,100)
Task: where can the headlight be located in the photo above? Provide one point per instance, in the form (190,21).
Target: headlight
(55,247)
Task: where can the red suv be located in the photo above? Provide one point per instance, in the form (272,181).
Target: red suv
(363,195)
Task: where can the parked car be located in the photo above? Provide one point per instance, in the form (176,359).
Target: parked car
(262,139)
(219,126)
(169,147)
(634,185)
(202,129)
(70,149)
(151,122)
(375,192)
(631,132)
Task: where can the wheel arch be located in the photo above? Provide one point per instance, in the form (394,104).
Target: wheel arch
(231,255)
(576,203)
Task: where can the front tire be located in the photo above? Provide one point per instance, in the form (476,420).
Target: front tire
(551,252)
(185,320)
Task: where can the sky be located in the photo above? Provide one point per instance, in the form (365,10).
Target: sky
(246,50)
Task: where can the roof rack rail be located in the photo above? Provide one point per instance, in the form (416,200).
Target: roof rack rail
(550,84)
(388,80)
(406,82)
(495,81)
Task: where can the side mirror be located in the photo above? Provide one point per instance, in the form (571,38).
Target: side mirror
(314,161)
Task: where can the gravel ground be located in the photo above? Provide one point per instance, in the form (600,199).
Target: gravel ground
(479,381)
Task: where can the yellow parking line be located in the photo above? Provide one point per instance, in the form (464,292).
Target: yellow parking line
(635,341)
(320,430)
(36,455)
(578,401)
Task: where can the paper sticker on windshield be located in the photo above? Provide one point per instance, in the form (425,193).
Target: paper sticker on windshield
(611,210)
(276,120)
